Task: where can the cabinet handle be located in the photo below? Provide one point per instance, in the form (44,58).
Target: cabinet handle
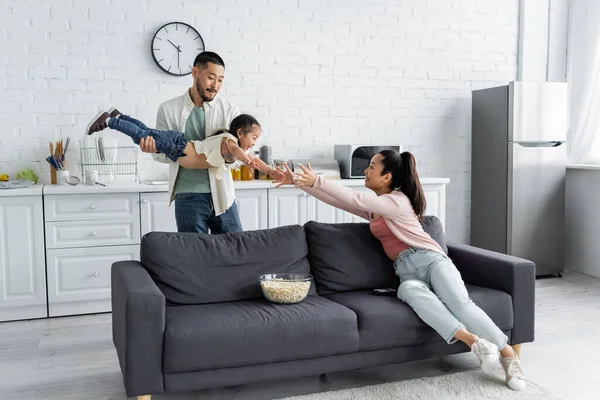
(145,201)
(93,207)
(95,274)
(94,233)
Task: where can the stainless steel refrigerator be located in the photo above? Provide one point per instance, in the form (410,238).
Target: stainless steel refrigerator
(518,168)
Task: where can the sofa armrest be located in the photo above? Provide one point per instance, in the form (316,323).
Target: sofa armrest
(138,325)
(513,275)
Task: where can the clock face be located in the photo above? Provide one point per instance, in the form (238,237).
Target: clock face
(175,46)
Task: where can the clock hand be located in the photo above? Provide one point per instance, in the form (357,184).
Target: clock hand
(177,47)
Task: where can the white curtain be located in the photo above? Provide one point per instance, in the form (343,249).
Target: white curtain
(583,76)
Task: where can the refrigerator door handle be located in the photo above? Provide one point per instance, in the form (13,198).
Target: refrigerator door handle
(540,144)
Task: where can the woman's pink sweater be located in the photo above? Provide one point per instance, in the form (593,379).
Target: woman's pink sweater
(394,207)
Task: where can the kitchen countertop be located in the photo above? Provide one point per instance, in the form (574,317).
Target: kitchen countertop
(145,188)
(132,187)
(33,190)
(583,166)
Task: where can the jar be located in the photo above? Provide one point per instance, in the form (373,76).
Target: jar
(236,174)
(246,173)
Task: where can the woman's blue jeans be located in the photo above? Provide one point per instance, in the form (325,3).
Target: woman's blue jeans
(432,286)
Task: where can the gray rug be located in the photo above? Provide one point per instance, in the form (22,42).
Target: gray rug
(472,385)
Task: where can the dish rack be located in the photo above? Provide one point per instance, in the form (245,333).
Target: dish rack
(112,161)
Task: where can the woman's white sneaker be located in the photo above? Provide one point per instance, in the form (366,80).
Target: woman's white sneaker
(487,354)
(515,379)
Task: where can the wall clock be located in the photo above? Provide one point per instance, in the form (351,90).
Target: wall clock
(175,46)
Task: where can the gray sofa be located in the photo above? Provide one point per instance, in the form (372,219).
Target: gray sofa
(191,315)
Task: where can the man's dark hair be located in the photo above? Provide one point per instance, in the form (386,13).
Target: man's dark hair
(205,57)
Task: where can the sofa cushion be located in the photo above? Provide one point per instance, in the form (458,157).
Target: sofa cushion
(386,321)
(433,226)
(191,268)
(346,257)
(234,334)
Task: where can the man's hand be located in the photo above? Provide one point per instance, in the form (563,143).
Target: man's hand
(148,145)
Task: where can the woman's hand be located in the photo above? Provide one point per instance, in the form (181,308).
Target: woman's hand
(306,177)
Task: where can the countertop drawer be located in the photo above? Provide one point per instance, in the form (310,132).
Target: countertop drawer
(79,279)
(92,233)
(76,207)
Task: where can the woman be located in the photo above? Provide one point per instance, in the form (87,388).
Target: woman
(429,282)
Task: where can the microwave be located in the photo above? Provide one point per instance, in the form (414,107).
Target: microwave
(354,159)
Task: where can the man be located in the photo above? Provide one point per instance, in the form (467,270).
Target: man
(198,113)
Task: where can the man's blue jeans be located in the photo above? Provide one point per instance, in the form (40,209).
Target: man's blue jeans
(195,212)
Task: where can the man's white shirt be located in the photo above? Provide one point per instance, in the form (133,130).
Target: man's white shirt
(173,115)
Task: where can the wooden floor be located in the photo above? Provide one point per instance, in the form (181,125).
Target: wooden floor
(74,358)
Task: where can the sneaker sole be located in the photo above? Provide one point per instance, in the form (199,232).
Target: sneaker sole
(110,111)
(517,385)
(89,126)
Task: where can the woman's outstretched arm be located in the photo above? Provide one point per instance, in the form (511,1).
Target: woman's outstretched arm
(366,202)
(287,178)
(325,198)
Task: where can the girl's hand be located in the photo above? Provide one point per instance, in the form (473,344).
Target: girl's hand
(277,174)
(306,177)
(285,177)
(253,164)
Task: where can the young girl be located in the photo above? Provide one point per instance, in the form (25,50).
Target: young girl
(218,150)
(429,282)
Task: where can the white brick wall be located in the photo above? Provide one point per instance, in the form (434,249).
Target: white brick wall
(314,73)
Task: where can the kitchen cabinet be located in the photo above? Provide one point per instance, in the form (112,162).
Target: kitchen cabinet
(435,196)
(253,208)
(155,213)
(288,206)
(22,264)
(79,278)
(85,234)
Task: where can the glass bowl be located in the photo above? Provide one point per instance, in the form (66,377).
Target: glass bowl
(285,288)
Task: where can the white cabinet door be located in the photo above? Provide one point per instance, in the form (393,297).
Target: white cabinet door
(22,264)
(323,212)
(156,215)
(252,208)
(287,206)
(79,278)
(435,196)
